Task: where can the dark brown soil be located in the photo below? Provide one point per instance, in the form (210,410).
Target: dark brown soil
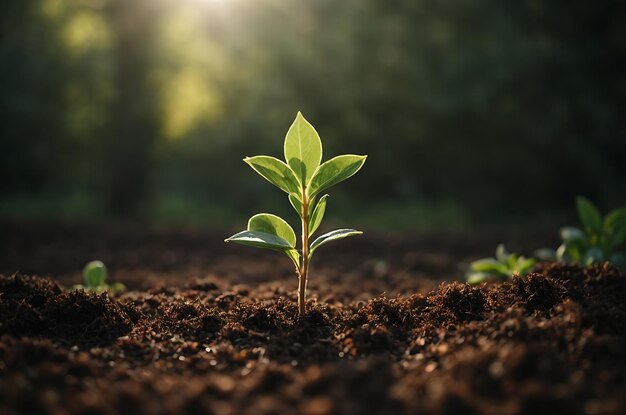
(228,341)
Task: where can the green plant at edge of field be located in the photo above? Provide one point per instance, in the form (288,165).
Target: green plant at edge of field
(303,177)
(597,240)
(503,266)
(94,277)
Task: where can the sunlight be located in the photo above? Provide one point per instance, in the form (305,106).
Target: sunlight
(187,78)
(188,100)
(86,31)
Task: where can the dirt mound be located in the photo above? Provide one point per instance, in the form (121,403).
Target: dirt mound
(552,342)
(33,306)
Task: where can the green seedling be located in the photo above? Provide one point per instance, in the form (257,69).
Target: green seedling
(597,240)
(503,266)
(94,276)
(303,178)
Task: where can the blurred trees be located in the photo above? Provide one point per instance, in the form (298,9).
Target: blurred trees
(132,113)
(31,123)
(503,108)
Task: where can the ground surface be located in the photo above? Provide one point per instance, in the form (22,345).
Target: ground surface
(208,328)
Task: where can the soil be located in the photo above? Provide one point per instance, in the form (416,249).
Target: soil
(208,328)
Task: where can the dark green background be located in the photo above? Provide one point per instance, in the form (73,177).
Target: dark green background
(470,112)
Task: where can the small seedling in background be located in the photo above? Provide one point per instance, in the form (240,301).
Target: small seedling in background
(503,266)
(303,178)
(94,277)
(597,240)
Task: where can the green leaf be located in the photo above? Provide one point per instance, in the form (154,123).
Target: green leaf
(332,236)
(571,251)
(94,274)
(615,227)
(303,149)
(511,261)
(318,214)
(616,220)
(489,265)
(525,265)
(575,253)
(260,240)
(570,234)
(270,232)
(275,171)
(296,203)
(574,243)
(334,171)
(273,225)
(589,216)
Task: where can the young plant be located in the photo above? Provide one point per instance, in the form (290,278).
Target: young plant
(94,276)
(503,266)
(303,178)
(597,240)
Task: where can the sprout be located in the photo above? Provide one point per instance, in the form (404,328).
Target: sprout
(94,277)
(597,240)
(503,266)
(303,177)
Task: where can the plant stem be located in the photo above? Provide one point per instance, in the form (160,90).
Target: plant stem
(303,272)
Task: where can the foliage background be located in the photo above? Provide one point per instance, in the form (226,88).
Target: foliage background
(471,112)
